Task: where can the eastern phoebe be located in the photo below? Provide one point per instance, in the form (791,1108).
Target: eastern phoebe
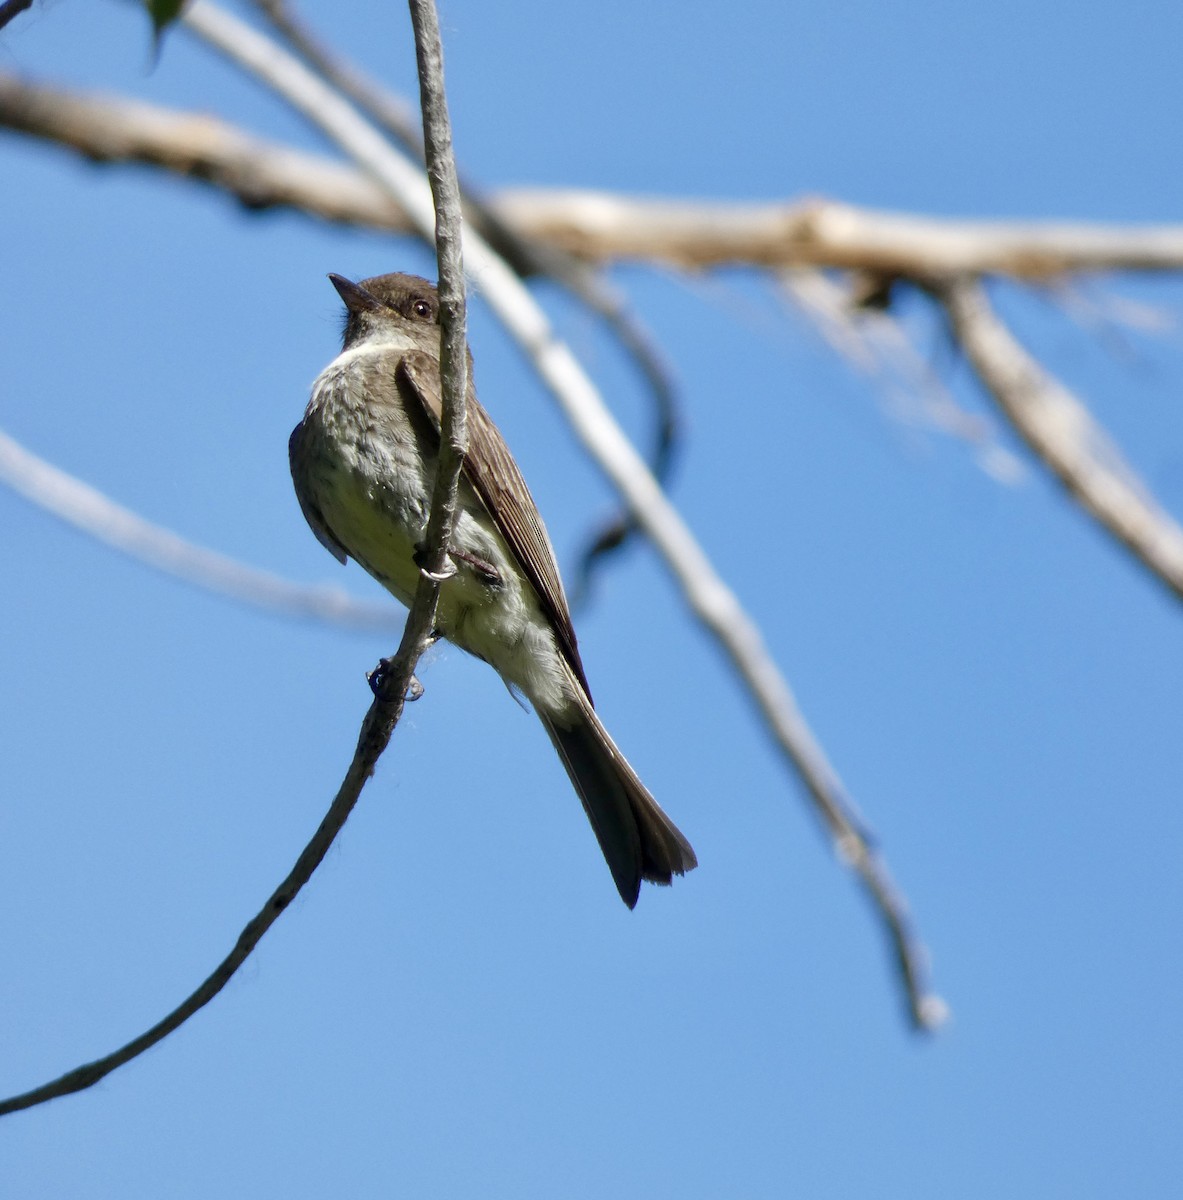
(363,461)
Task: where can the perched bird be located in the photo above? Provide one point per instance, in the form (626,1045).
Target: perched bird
(363,461)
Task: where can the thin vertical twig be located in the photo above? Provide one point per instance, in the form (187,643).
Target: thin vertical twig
(445,190)
(525,254)
(387,706)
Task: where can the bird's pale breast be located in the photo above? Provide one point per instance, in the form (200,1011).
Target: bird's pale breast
(365,465)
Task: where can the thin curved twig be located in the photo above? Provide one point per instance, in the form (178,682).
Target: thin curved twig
(708,596)
(87,509)
(376,729)
(386,708)
(12,8)
(667,412)
(388,109)
(616,531)
(1062,433)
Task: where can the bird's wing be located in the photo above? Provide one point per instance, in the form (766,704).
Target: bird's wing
(490,468)
(298,452)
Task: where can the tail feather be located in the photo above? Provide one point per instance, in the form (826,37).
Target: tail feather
(637,839)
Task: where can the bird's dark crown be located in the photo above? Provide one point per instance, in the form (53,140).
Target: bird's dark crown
(374,301)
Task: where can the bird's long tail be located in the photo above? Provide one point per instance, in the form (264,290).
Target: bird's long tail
(637,839)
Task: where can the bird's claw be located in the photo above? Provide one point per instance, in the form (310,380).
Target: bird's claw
(379,680)
(420,560)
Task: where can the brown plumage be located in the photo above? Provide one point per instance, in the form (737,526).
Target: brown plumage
(362,461)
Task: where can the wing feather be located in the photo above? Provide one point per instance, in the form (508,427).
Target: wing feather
(299,455)
(490,468)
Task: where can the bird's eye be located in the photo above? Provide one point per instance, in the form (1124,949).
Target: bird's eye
(421,308)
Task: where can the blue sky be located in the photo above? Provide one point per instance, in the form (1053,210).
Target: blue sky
(459,1004)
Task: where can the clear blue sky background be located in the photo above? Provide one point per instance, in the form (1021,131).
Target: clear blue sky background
(459,1005)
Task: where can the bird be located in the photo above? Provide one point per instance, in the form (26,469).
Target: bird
(363,462)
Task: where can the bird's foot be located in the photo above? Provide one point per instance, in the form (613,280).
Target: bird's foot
(420,560)
(381,683)
(488,573)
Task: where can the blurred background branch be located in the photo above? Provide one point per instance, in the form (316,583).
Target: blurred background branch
(592,226)
(90,511)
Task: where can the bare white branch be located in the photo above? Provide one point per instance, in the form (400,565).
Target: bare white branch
(87,509)
(595,226)
(259,173)
(389,111)
(1063,434)
(824,233)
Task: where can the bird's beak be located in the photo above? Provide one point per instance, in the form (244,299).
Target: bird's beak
(356,298)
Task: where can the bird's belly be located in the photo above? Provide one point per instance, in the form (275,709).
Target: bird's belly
(379,526)
(372,492)
(500,623)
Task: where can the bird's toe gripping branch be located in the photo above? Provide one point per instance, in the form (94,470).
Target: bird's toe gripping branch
(380,681)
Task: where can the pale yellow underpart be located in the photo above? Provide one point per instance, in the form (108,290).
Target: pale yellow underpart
(370,484)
